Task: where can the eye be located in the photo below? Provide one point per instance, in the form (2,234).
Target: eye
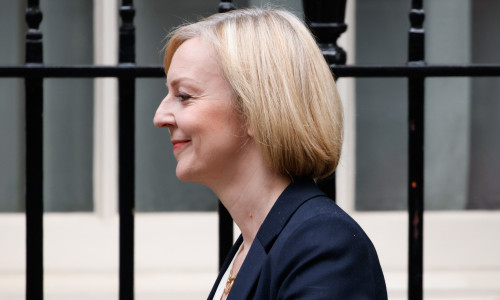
(183,97)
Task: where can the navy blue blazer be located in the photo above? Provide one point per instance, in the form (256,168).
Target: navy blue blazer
(307,248)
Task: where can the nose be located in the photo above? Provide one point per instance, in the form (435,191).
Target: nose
(164,116)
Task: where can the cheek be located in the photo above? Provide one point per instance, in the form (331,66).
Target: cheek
(208,126)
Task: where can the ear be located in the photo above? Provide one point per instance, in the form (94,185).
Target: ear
(247,126)
(250,131)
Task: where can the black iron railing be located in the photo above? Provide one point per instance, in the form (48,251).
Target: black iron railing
(126,150)
(34,155)
(326,20)
(416,57)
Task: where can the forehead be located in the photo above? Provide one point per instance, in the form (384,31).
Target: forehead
(194,59)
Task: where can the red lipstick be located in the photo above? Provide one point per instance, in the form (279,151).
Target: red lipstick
(179,143)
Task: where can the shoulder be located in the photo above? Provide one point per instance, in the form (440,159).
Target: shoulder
(322,252)
(320,224)
(322,216)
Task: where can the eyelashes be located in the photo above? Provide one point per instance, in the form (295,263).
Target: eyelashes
(183,97)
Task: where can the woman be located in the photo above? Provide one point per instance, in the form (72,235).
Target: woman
(254,114)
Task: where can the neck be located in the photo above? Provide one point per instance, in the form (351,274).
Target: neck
(249,195)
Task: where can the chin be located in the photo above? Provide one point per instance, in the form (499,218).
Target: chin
(182,177)
(185,175)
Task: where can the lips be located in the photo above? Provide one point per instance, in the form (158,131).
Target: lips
(179,143)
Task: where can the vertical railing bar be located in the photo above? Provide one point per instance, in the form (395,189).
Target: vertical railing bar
(126,152)
(325,19)
(416,56)
(225,220)
(225,6)
(225,233)
(34,156)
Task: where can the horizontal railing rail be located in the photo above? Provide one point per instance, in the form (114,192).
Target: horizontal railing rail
(92,71)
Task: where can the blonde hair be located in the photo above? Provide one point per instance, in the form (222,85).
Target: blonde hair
(282,86)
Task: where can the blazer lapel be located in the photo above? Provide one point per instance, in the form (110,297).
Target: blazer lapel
(226,264)
(249,272)
(289,201)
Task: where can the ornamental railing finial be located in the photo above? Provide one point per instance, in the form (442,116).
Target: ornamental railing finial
(325,19)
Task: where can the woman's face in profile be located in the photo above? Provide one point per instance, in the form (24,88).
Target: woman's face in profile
(206,132)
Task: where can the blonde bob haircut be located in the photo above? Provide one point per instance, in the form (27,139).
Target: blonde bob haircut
(282,85)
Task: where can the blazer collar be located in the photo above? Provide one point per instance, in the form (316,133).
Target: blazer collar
(298,192)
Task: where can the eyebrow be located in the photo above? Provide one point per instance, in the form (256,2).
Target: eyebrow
(176,81)
(191,83)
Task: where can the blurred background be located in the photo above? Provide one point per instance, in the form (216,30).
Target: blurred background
(176,224)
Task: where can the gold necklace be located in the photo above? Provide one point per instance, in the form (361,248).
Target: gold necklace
(229,285)
(230,279)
